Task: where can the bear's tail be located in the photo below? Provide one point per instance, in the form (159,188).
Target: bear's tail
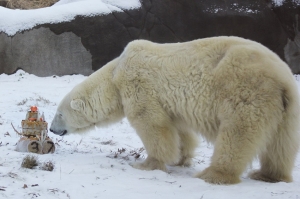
(290,127)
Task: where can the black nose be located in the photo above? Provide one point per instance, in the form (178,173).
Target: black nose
(51,130)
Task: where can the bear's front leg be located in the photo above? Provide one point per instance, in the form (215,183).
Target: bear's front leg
(189,142)
(160,139)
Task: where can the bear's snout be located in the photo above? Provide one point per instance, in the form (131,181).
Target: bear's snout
(62,133)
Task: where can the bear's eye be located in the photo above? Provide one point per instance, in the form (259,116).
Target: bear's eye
(60,115)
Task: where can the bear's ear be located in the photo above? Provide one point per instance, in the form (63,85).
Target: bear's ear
(77,104)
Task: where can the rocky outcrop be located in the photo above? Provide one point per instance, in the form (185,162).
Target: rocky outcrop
(85,44)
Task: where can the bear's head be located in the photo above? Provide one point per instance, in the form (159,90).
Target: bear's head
(83,108)
(70,117)
(95,101)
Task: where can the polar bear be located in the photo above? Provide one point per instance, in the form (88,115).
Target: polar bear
(234,92)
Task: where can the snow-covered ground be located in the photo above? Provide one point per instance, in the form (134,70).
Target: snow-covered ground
(96,164)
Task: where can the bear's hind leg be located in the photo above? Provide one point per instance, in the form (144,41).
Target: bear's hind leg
(236,145)
(277,161)
(161,141)
(278,157)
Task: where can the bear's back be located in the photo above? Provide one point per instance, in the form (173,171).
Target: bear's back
(191,80)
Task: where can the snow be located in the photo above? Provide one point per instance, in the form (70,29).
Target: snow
(238,8)
(93,165)
(13,21)
(278,3)
(234,7)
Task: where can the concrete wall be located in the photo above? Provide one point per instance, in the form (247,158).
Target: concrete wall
(44,53)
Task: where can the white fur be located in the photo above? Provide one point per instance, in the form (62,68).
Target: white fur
(236,93)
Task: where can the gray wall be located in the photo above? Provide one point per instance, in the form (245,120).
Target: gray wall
(44,53)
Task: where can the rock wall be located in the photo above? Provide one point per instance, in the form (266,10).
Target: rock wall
(87,43)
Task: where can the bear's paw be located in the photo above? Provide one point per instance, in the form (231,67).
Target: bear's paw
(214,176)
(259,175)
(150,164)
